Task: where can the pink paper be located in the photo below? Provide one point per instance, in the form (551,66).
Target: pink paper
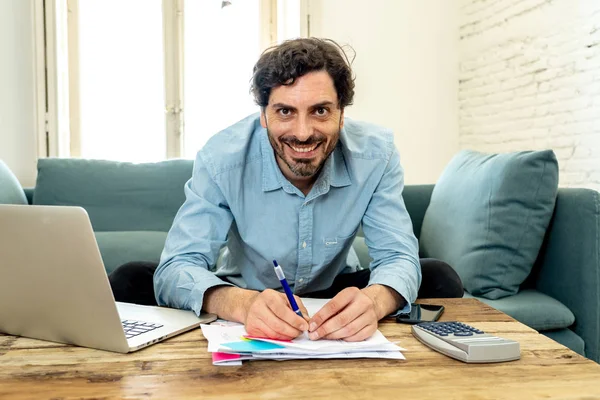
(216,356)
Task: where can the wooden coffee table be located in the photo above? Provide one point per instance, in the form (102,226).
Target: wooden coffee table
(182,368)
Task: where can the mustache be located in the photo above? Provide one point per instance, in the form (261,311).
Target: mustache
(315,139)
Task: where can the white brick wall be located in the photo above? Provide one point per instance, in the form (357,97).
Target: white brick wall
(530,79)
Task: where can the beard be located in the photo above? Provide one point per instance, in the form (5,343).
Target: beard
(303,167)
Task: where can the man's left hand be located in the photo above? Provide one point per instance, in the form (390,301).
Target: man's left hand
(352,315)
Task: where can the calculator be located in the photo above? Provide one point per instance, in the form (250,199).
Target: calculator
(466,343)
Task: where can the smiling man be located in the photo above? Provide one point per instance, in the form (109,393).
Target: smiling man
(294,184)
(303,121)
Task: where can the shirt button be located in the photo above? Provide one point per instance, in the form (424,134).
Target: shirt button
(303,245)
(301,280)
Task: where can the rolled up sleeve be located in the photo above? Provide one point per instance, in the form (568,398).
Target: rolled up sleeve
(389,236)
(193,243)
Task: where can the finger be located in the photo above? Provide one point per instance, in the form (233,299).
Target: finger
(281,327)
(271,333)
(280,318)
(303,309)
(263,311)
(351,329)
(254,331)
(353,311)
(363,334)
(280,307)
(333,307)
(256,327)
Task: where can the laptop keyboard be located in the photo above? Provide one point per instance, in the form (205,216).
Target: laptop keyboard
(134,328)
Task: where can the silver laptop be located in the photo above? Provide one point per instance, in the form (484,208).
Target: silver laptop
(53,286)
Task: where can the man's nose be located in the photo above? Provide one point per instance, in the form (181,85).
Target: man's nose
(304,130)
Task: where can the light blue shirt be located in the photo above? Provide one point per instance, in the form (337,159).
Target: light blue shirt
(238,197)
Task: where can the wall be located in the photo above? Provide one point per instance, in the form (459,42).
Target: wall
(18,145)
(406,70)
(530,79)
(406,67)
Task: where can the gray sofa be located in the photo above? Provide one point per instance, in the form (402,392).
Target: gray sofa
(132,206)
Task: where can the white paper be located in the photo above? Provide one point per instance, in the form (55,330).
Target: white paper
(313,305)
(337,346)
(221,331)
(217,335)
(229,363)
(396,355)
(291,351)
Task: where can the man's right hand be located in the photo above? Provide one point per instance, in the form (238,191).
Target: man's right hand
(268,314)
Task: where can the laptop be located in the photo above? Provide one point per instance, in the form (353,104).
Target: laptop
(53,286)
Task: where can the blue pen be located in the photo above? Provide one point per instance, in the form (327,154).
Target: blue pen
(286,287)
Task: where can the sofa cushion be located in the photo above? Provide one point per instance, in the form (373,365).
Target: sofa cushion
(488,215)
(10,188)
(117,196)
(534,309)
(567,338)
(118,248)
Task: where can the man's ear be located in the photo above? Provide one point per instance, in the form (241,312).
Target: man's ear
(342,119)
(263,118)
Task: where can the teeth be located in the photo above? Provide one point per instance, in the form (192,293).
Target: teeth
(304,149)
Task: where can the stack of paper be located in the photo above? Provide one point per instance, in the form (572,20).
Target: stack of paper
(230,345)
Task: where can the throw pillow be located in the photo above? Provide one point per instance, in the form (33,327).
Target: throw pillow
(488,216)
(118,196)
(10,188)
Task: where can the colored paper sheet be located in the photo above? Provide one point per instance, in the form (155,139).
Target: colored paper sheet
(249,346)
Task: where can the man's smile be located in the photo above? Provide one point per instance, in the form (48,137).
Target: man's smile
(304,151)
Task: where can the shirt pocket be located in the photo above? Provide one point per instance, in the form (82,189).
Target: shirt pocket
(333,246)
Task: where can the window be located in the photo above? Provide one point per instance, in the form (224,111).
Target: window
(121,80)
(222,43)
(146,80)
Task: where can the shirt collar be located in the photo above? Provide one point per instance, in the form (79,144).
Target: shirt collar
(271,174)
(334,173)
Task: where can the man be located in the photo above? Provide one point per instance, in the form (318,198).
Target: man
(294,184)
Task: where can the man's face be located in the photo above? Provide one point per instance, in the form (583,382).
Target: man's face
(303,122)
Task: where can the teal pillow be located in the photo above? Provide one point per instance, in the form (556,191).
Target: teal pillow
(118,196)
(10,188)
(488,216)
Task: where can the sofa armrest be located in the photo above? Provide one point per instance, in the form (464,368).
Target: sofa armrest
(570,262)
(29,194)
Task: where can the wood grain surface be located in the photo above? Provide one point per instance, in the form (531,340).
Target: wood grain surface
(181,368)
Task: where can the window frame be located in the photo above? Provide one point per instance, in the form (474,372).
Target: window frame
(57,73)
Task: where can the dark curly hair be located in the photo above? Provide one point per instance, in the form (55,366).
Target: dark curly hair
(282,64)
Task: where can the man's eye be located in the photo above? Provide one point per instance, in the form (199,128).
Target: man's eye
(284,111)
(321,111)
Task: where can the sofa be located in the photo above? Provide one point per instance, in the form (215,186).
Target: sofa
(131,208)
